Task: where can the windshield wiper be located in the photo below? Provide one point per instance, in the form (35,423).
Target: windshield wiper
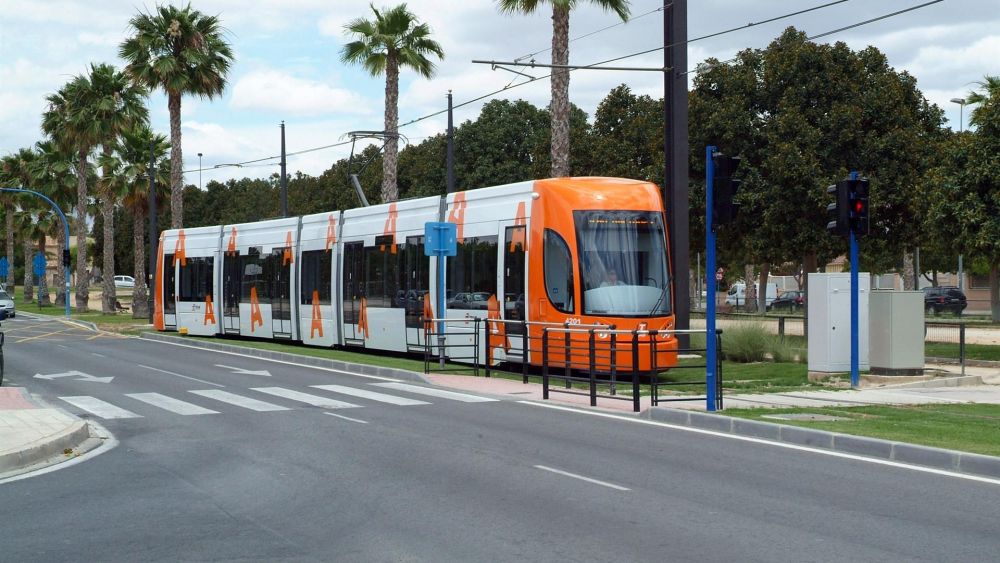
(663,293)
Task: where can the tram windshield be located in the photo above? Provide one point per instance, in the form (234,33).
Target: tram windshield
(623,263)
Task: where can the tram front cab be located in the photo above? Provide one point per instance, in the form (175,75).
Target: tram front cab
(603,262)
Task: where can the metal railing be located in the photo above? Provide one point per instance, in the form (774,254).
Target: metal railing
(961,342)
(450,341)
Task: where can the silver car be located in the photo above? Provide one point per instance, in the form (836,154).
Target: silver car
(7,304)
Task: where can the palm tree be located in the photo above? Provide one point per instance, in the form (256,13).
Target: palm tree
(181,51)
(392,40)
(20,167)
(67,121)
(560,76)
(53,176)
(988,97)
(7,201)
(116,105)
(132,166)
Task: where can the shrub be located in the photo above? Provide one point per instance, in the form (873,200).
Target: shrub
(746,342)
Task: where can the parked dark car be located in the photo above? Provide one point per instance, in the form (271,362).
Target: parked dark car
(944,298)
(790,300)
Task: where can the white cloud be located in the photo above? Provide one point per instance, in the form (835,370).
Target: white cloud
(282,93)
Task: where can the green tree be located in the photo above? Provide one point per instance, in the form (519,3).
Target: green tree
(500,145)
(560,108)
(7,201)
(966,209)
(52,174)
(393,39)
(802,115)
(183,52)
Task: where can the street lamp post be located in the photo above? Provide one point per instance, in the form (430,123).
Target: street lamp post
(961,128)
(199,171)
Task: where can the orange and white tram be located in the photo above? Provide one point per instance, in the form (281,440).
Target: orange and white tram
(555,252)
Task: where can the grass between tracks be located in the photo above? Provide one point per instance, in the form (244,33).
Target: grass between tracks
(968,427)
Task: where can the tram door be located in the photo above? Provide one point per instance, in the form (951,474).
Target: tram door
(512,292)
(231,293)
(281,297)
(169,292)
(353,284)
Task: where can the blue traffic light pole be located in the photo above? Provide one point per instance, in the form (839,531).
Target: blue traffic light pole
(710,350)
(855,373)
(65,226)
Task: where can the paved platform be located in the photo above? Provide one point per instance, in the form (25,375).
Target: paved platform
(32,434)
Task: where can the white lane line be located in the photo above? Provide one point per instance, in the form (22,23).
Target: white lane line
(346,418)
(320,368)
(98,407)
(170,404)
(239,400)
(787,446)
(306,398)
(433,392)
(365,394)
(62,346)
(181,375)
(582,478)
(98,355)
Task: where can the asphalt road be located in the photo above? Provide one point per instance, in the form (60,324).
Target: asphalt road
(443,480)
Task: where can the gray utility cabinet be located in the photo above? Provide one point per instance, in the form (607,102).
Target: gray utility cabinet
(897,332)
(830,322)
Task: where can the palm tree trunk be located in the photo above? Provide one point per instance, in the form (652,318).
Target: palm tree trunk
(140,308)
(765,270)
(11,282)
(80,229)
(809,265)
(908,268)
(108,296)
(29,270)
(390,191)
(560,91)
(43,283)
(176,162)
(60,279)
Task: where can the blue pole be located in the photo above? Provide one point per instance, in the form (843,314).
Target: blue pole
(65,223)
(440,307)
(855,373)
(710,350)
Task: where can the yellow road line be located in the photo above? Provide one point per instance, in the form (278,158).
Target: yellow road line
(39,336)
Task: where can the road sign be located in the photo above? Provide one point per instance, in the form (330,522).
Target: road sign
(79,375)
(442,239)
(39,264)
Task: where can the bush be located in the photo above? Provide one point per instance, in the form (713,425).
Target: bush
(746,342)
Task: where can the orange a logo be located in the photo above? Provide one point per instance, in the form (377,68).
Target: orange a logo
(317,317)
(255,316)
(497,331)
(179,252)
(428,312)
(231,249)
(390,227)
(457,214)
(209,310)
(520,226)
(363,318)
(331,233)
(287,256)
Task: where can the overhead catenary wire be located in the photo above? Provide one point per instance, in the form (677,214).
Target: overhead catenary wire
(660,48)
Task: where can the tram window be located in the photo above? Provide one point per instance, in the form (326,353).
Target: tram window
(513,277)
(381,280)
(252,267)
(316,275)
(415,281)
(196,279)
(558,264)
(169,291)
(353,282)
(472,273)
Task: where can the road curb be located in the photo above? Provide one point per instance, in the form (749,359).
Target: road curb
(968,362)
(364,369)
(39,451)
(913,454)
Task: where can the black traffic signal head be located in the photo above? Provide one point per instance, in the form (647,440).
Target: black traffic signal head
(724,210)
(65,257)
(859,206)
(838,213)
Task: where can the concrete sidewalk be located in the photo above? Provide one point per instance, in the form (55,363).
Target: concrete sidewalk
(33,435)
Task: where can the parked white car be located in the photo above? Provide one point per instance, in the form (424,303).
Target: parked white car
(125,281)
(738,294)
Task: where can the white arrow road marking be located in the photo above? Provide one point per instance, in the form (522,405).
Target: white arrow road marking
(242,371)
(79,375)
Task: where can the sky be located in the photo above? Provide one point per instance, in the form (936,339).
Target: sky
(287,65)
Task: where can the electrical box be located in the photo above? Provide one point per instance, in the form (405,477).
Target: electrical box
(897,332)
(830,322)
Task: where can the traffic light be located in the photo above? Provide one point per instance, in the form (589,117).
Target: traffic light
(838,212)
(66,261)
(724,210)
(859,207)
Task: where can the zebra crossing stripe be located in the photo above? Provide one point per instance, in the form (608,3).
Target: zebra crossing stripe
(365,394)
(433,392)
(98,407)
(170,404)
(306,398)
(239,400)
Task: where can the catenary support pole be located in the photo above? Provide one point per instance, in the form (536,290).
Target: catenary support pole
(855,376)
(675,149)
(284,175)
(710,348)
(450,164)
